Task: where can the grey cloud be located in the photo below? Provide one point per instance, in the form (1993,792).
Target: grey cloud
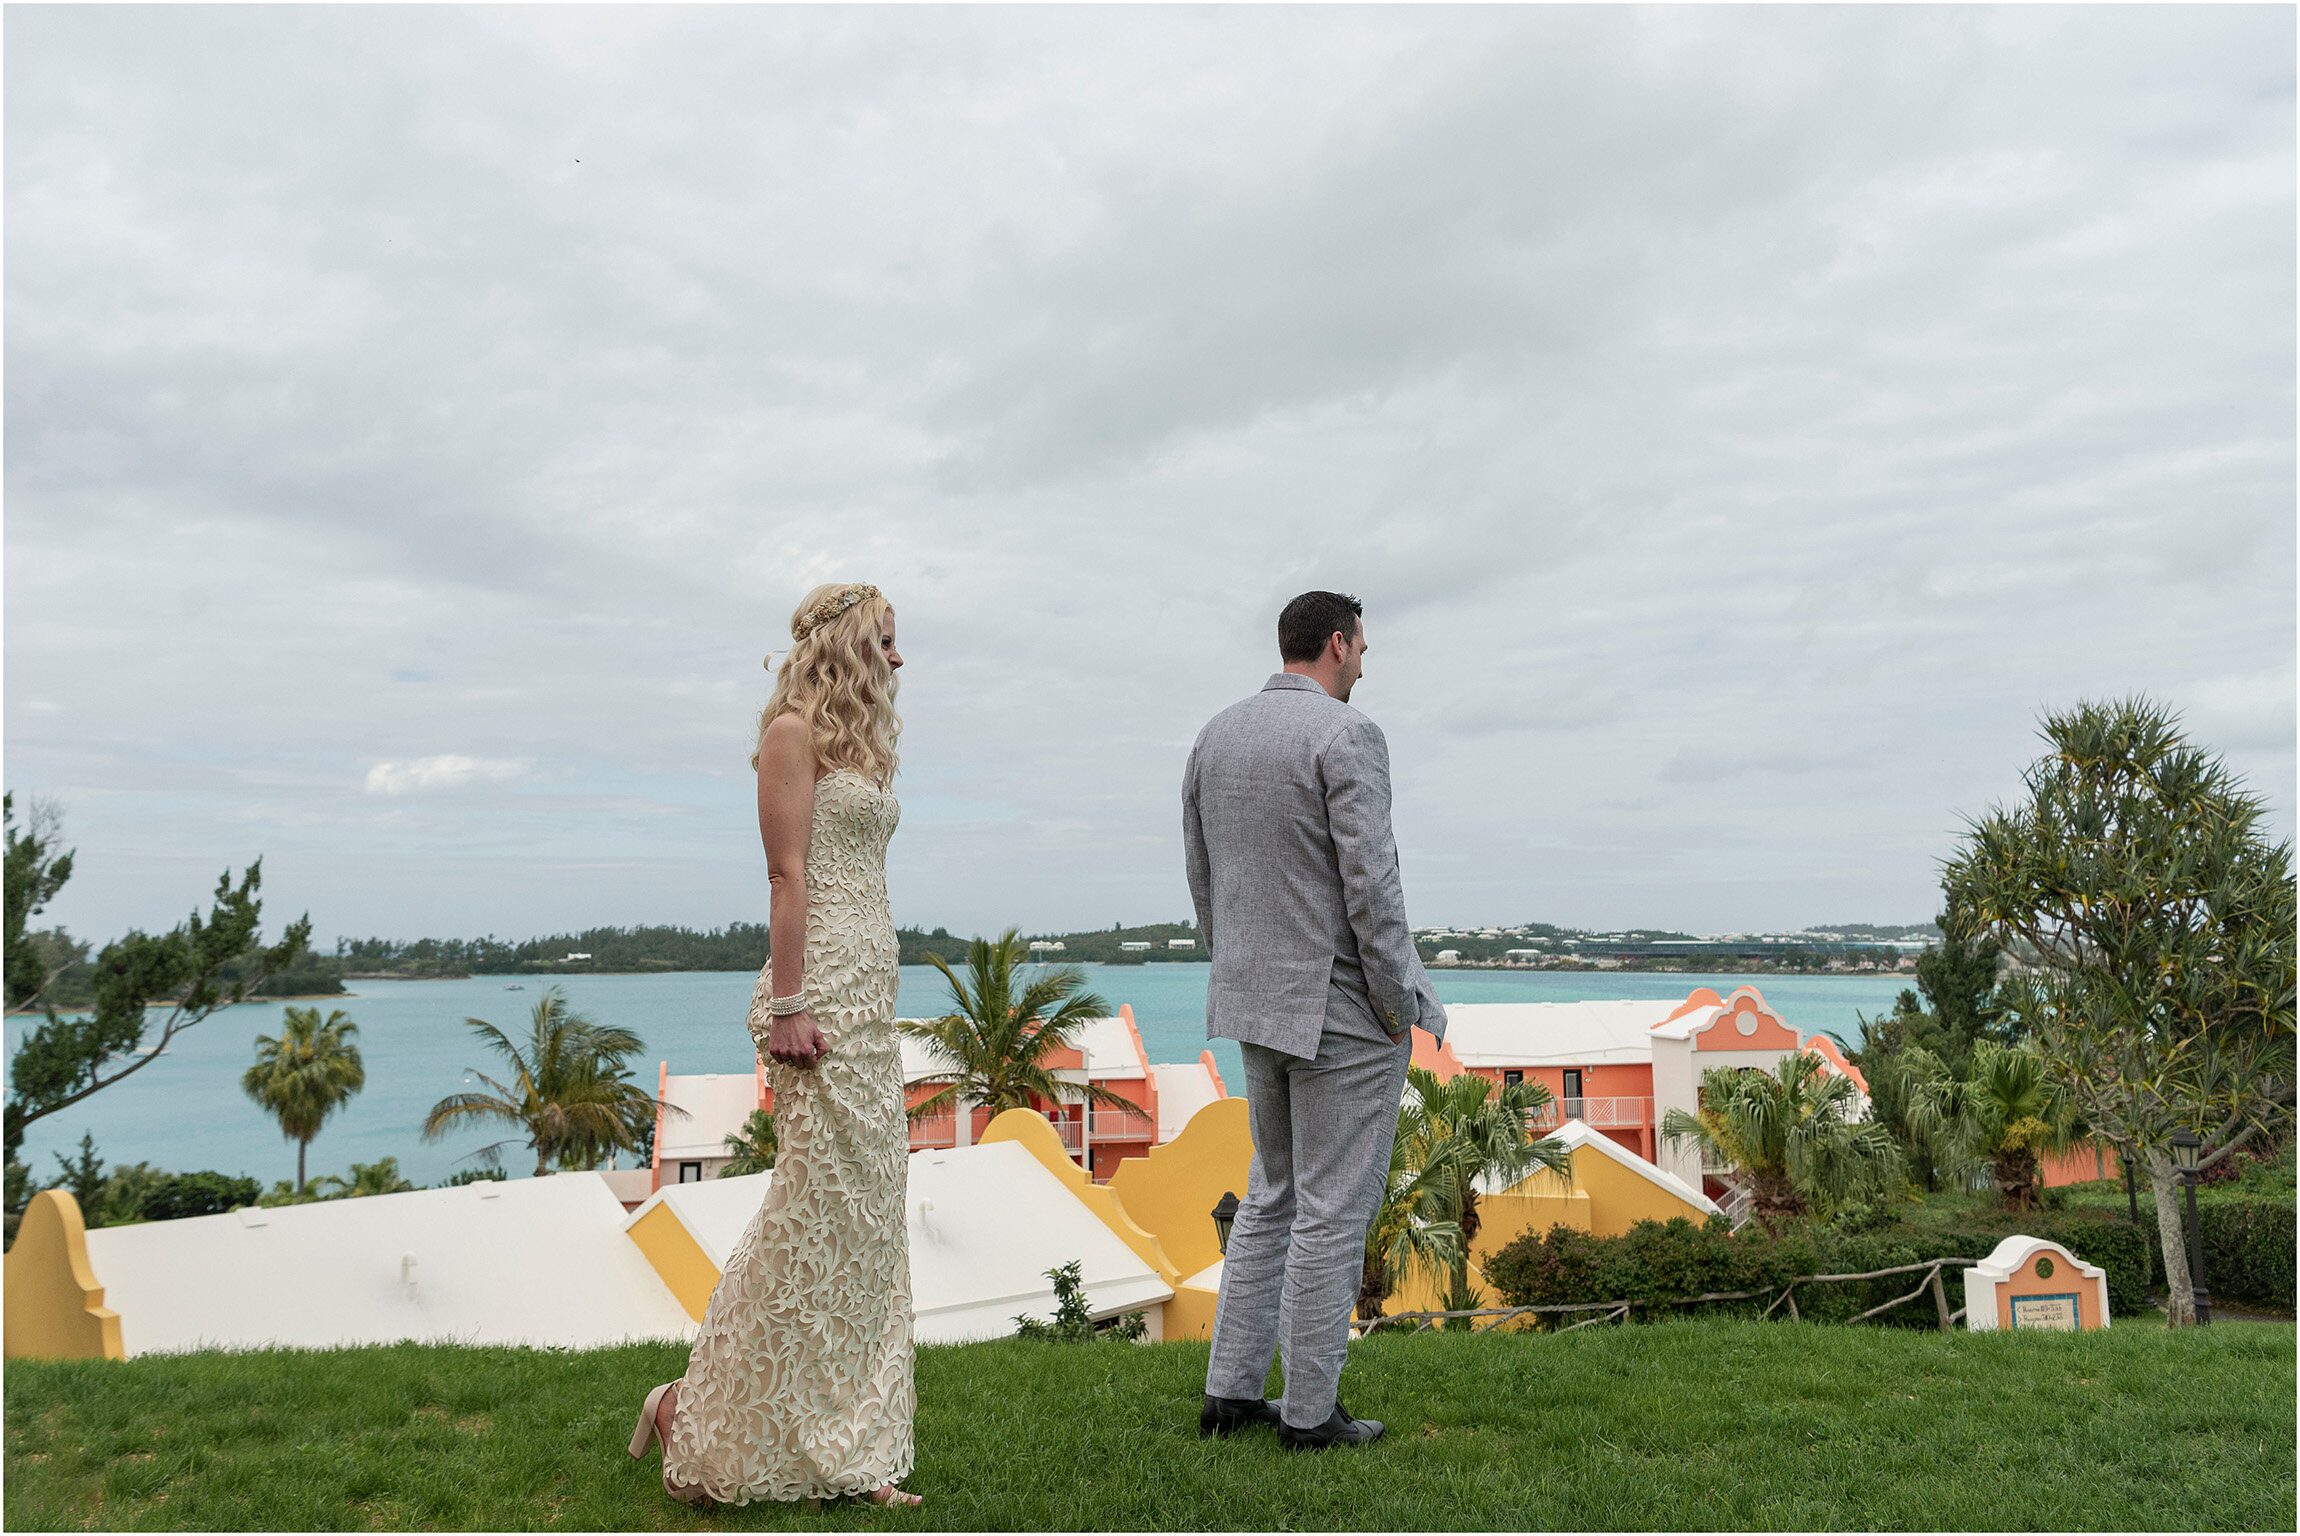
(1739,423)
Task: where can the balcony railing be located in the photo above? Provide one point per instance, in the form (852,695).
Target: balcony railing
(934,1131)
(1123,1125)
(1592,1112)
(1073,1141)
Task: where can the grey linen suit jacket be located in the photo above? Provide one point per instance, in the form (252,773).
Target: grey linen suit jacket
(1294,871)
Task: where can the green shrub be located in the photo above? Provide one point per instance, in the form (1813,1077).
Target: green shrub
(2248,1250)
(207,1193)
(122,1197)
(1654,1263)
(1072,1322)
(465,1176)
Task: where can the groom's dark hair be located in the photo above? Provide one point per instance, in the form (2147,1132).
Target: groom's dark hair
(1311,619)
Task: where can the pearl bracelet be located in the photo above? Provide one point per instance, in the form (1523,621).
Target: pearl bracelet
(780,1007)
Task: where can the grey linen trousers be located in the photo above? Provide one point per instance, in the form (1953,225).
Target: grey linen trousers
(1323,1127)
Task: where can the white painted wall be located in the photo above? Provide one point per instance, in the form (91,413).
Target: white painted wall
(524,1261)
(986,1222)
(1676,1085)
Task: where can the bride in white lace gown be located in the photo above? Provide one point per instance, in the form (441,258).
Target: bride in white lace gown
(799,1385)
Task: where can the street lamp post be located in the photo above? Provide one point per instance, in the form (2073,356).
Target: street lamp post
(2185,1147)
(1225,1212)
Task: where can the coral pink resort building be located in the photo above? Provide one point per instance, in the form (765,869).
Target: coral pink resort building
(1619,1067)
(1161,1097)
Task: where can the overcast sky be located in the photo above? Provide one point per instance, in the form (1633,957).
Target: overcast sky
(1739,424)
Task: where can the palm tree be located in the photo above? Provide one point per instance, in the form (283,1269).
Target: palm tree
(1790,1134)
(751,1149)
(1478,1134)
(305,1074)
(381,1177)
(636,1109)
(1461,1133)
(1410,1229)
(2000,1118)
(569,1089)
(995,1041)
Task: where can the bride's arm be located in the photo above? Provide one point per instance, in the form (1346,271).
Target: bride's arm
(786,826)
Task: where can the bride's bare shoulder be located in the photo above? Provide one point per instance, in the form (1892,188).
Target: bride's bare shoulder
(786,743)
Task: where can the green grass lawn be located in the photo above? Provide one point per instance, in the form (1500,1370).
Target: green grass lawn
(1688,1425)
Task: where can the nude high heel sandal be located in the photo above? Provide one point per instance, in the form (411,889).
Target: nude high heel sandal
(649,1431)
(647,1434)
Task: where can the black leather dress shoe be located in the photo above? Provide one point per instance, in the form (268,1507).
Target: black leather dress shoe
(1340,1429)
(1227,1415)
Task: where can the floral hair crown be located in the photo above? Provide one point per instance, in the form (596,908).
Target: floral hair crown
(830,608)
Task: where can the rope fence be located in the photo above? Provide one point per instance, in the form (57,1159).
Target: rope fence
(1618,1310)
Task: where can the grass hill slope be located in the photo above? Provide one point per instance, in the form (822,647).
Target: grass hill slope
(1700,1425)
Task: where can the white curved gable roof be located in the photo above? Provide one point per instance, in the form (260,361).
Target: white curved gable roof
(1577,1135)
(1555,1034)
(717,1105)
(986,1223)
(1184,1088)
(524,1261)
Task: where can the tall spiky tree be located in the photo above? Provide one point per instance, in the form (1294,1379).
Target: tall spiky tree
(2138,883)
(569,1089)
(1003,1025)
(1999,1119)
(304,1074)
(1793,1134)
(35,873)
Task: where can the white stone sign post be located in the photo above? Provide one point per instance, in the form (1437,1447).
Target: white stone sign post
(2027,1282)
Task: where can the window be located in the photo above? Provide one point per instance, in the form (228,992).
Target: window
(690,1173)
(1512,1077)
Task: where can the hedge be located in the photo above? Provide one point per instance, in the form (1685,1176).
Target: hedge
(196,1194)
(2127,1252)
(2248,1250)
(1653,1263)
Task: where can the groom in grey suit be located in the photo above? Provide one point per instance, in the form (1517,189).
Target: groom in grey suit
(1286,826)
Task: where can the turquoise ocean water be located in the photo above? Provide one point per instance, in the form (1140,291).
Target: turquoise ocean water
(186,1111)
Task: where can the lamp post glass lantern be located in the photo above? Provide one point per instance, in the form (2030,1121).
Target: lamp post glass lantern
(2186,1146)
(1225,1212)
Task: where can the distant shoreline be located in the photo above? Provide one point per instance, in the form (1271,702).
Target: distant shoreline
(1651,970)
(1511,967)
(1516,967)
(292,997)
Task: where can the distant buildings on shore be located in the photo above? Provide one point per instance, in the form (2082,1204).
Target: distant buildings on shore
(1539,945)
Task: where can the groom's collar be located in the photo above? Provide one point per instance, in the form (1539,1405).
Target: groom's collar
(1291,680)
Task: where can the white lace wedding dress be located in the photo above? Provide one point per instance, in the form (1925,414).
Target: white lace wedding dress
(800,1383)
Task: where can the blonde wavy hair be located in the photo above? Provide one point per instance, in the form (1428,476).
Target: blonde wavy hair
(835,678)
